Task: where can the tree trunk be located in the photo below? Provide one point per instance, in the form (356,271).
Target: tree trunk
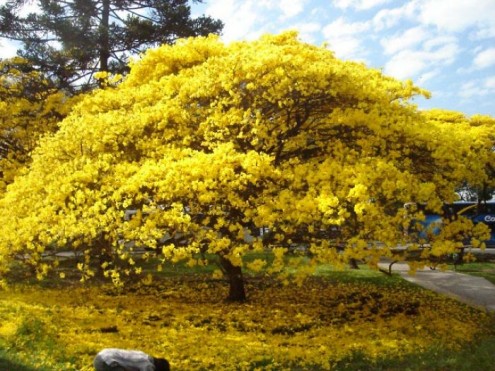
(237,292)
(104,35)
(104,254)
(353,264)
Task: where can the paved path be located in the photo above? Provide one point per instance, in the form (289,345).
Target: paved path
(472,290)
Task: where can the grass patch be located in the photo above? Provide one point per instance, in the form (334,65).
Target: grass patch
(484,266)
(475,356)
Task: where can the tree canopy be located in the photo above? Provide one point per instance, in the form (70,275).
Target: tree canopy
(71,40)
(204,143)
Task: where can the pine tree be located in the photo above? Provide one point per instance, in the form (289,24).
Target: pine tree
(71,40)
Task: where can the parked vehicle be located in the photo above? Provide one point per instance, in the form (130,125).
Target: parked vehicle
(478,212)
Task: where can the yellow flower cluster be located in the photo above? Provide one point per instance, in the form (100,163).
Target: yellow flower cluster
(29,109)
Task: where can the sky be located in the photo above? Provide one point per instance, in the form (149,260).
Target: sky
(444,46)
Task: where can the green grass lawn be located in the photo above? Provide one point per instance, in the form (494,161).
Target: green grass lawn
(479,356)
(483,266)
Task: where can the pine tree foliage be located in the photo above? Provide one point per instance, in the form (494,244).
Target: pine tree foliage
(71,40)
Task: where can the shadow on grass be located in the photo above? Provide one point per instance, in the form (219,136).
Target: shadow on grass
(7,364)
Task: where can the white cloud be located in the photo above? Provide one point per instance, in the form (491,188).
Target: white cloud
(307,31)
(251,18)
(440,41)
(344,37)
(457,15)
(239,17)
(469,90)
(340,27)
(9,48)
(221,9)
(426,77)
(490,82)
(346,48)
(406,64)
(405,40)
(411,63)
(477,88)
(28,8)
(291,8)
(390,17)
(446,15)
(484,59)
(358,4)
(484,32)
(446,54)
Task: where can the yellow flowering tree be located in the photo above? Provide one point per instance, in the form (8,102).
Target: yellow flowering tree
(29,108)
(481,152)
(205,143)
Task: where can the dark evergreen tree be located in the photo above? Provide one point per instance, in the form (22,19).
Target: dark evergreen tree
(70,40)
